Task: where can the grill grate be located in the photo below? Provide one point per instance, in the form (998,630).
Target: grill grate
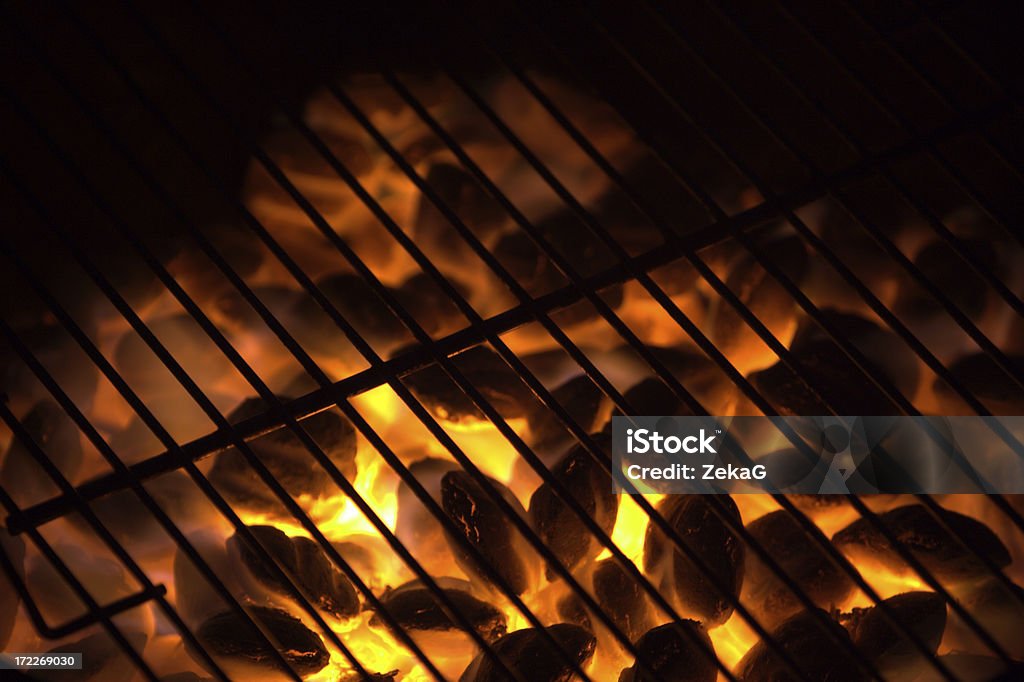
(773,205)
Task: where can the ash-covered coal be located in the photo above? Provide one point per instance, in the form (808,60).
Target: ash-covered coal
(674,652)
(921,533)
(557,524)
(528,654)
(802,559)
(705,534)
(287,459)
(484,525)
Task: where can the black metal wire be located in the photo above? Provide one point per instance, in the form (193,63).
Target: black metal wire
(339,382)
(905,405)
(861,509)
(415,358)
(149,590)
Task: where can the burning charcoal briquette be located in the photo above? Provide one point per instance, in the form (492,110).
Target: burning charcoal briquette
(881,347)
(57,436)
(944,266)
(571,610)
(14,548)
(287,458)
(622,598)
(802,559)
(482,523)
(585,403)
(667,654)
(536,272)
(230,637)
(62,357)
(762,294)
(984,379)
(837,383)
(184,339)
(920,533)
(530,656)
(304,563)
(499,385)
(415,607)
(430,305)
(461,193)
(557,523)
(359,305)
(922,613)
(705,534)
(103,660)
(813,645)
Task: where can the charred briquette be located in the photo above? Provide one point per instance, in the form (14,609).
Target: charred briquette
(528,654)
(430,305)
(622,598)
(706,535)
(918,531)
(184,339)
(668,654)
(287,458)
(801,559)
(102,659)
(415,607)
(881,347)
(840,385)
(984,379)
(305,563)
(562,530)
(486,371)
(292,151)
(10,599)
(922,613)
(762,294)
(813,645)
(585,403)
(482,522)
(943,266)
(230,637)
(50,428)
(358,303)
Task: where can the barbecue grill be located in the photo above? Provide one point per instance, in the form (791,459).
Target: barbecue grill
(318,317)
